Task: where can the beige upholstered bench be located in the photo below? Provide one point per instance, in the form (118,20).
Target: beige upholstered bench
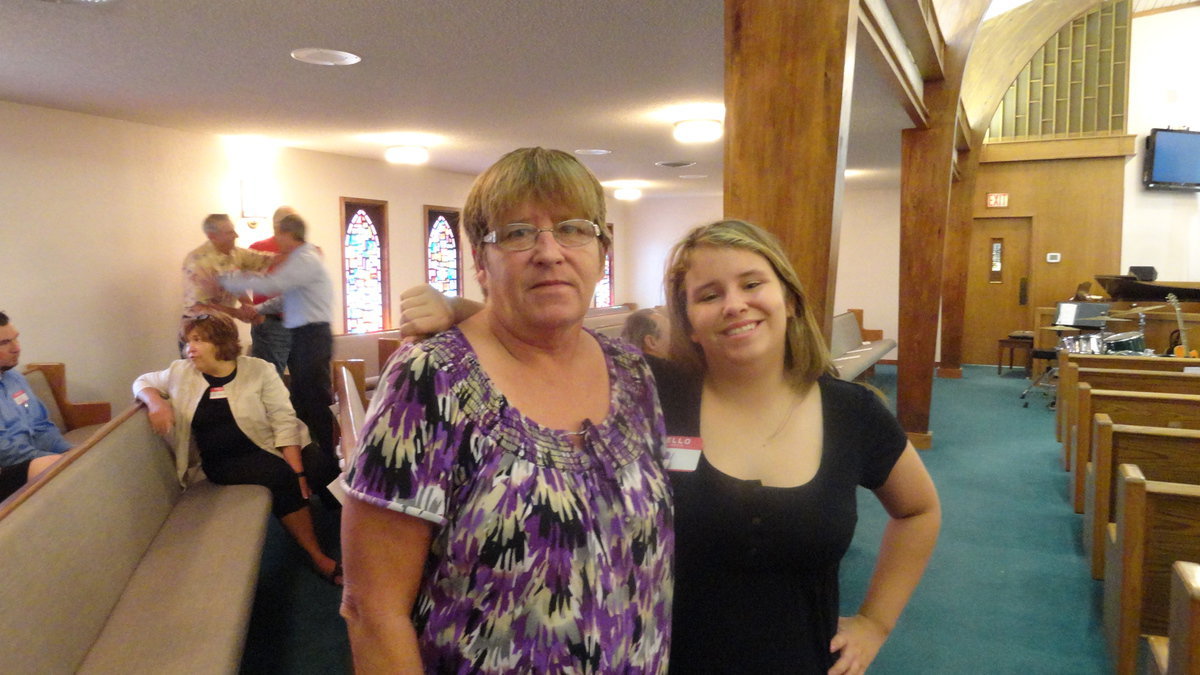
(111,567)
(77,421)
(852,355)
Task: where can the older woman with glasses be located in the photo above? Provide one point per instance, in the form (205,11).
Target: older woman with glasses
(234,413)
(508,511)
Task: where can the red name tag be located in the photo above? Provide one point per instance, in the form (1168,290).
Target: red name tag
(215,393)
(683,452)
(21,398)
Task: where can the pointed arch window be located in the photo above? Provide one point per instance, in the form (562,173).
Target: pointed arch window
(604,289)
(443,252)
(364,265)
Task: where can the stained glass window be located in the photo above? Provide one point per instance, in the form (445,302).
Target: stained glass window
(604,290)
(443,256)
(364,275)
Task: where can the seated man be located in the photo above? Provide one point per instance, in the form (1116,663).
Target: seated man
(647,329)
(29,441)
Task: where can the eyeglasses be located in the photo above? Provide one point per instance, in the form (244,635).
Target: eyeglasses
(522,236)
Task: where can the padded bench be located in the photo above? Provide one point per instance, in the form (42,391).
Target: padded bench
(852,355)
(110,566)
(77,421)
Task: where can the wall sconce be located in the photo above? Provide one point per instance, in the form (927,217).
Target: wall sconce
(627,194)
(697,131)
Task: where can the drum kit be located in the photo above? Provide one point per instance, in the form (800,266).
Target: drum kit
(1128,343)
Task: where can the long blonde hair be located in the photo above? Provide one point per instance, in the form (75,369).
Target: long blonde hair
(806,356)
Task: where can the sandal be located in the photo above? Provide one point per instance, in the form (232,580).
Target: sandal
(334,578)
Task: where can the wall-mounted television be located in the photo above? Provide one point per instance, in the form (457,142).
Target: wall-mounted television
(1172,160)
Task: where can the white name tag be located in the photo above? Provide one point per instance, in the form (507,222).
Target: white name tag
(21,398)
(683,452)
(215,393)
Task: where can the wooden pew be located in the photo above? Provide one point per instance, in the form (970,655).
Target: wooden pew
(1171,455)
(1157,523)
(1066,382)
(81,418)
(1178,652)
(350,388)
(1075,453)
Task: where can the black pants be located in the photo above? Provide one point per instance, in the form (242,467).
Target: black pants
(274,473)
(311,387)
(12,478)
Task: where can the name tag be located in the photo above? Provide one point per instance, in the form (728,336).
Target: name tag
(683,452)
(215,393)
(21,398)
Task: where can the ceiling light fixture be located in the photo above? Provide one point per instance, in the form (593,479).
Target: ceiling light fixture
(325,57)
(593,151)
(697,131)
(675,165)
(407,154)
(693,176)
(78,2)
(627,194)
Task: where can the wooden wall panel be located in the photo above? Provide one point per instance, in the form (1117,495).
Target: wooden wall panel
(1076,210)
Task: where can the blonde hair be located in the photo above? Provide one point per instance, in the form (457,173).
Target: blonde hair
(546,177)
(805,358)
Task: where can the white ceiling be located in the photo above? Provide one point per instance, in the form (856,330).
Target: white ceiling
(485,75)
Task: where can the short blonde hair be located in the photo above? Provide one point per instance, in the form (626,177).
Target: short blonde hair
(806,357)
(547,177)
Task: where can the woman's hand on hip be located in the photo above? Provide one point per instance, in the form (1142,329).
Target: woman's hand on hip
(858,640)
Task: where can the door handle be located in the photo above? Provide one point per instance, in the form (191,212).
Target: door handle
(1023,292)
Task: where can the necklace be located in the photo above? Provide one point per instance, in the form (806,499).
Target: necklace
(783,422)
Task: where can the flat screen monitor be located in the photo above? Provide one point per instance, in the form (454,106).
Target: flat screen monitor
(1082,314)
(1172,160)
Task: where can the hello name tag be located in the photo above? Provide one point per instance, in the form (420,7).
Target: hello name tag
(21,398)
(215,393)
(683,452)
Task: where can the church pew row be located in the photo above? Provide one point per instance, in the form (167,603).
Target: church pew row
(1171,455)
(1154,382)
(1178,652)
(1066,381)
(1157,523)
(1175,411)
(1124,379)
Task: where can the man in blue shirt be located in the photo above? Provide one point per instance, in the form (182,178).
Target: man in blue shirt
(305,297)
(29,441)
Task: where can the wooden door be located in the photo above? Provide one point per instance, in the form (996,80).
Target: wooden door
(997,286)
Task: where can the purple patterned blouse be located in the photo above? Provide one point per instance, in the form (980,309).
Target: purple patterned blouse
(545,557)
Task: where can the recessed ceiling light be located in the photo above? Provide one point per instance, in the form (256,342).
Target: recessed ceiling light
(325,57)
(407,154)
(675,165)
(593,151)
(697,131)
(693,176)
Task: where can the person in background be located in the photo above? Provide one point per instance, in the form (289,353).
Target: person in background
(768,450)
(216,256)
(269,338)
(648,330)
(305,298)
(233,412)
(29,441)
(507,510)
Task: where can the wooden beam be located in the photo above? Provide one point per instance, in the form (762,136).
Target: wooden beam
(1124,145)
(788,74)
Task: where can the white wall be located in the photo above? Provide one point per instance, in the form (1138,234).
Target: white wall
(99,213)
(869,258)
(650,227)
(1162,228)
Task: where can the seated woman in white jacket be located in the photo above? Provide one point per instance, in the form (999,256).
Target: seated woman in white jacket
(234,413)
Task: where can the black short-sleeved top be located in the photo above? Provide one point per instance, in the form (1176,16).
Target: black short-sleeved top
(756,583)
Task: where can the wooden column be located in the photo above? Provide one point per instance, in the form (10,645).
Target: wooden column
(788,71)
(954,266)
(925,171)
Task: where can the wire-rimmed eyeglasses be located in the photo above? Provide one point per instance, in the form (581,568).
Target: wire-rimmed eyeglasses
(522,236)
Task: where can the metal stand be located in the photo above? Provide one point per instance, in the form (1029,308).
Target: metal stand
(1043,380)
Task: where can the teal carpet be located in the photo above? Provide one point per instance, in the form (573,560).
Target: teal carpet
(1007,590)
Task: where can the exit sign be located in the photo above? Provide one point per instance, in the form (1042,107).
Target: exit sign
(997,200)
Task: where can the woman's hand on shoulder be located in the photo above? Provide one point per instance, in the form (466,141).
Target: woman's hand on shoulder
(858,640)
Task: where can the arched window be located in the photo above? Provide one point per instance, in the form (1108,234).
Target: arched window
(364,266)
(604,289)
(443,255)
